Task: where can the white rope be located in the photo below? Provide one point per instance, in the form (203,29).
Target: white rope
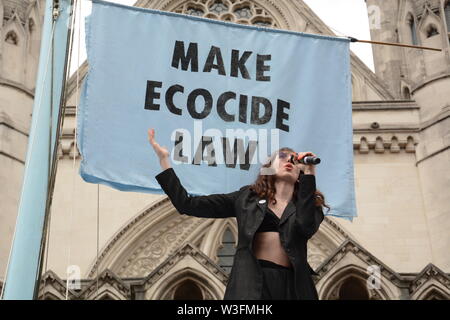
(98,229)
(38,106)
(69,65)
(338,33)
(64,105)
(77,5)
(79,17)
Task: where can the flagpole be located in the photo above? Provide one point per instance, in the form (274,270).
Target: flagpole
(23,271)
(393,44)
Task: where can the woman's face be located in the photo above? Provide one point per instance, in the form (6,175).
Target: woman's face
(284,169)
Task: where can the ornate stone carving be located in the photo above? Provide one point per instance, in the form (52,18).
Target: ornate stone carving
(106,282)
(18,7)
(428,273)
(317,253)
(158,246)
(239,11)
(351,246)
(188,249)
(52,287)
(381,144)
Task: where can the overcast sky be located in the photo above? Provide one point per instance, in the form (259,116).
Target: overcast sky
(344,17)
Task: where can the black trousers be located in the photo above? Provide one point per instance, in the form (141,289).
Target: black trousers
(278,281)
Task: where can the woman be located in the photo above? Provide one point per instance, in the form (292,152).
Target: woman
(275,216)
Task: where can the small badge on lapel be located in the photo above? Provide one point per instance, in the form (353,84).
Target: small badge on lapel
(262,201)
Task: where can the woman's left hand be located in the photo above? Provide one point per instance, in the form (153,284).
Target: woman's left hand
(306,168)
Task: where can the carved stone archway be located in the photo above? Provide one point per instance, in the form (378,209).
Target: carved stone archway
(430,283)
(334,284)
(159,230)
(187,263)
(351,260)
(434,292)
(147,239)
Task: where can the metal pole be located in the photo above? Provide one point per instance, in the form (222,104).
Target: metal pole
(23,267)
(394,44)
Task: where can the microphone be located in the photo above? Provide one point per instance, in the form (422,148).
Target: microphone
(305,160)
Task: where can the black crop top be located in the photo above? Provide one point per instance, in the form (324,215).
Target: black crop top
(270,222)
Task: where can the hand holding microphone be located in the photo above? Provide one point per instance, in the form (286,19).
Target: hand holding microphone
(306,161)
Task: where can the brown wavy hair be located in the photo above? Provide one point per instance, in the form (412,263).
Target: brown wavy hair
(264,185)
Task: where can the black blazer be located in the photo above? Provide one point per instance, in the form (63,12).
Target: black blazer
(299,222)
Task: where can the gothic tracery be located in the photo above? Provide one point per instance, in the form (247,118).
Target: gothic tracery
(238,11)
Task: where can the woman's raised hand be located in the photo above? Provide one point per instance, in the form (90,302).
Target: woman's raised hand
(161,152)
(306,168)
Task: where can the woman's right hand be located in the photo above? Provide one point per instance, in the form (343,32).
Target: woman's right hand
(161,152)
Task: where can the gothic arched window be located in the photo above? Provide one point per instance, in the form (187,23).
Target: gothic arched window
(353,289)
(188,290)
(434,295)
(238,11)
(227,251)
(432,30)
(406,93)
(412,29)
(12,38)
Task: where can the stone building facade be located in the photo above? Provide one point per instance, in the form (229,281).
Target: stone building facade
(146,250)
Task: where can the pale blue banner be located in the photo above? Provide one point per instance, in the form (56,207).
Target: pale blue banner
(221,97)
